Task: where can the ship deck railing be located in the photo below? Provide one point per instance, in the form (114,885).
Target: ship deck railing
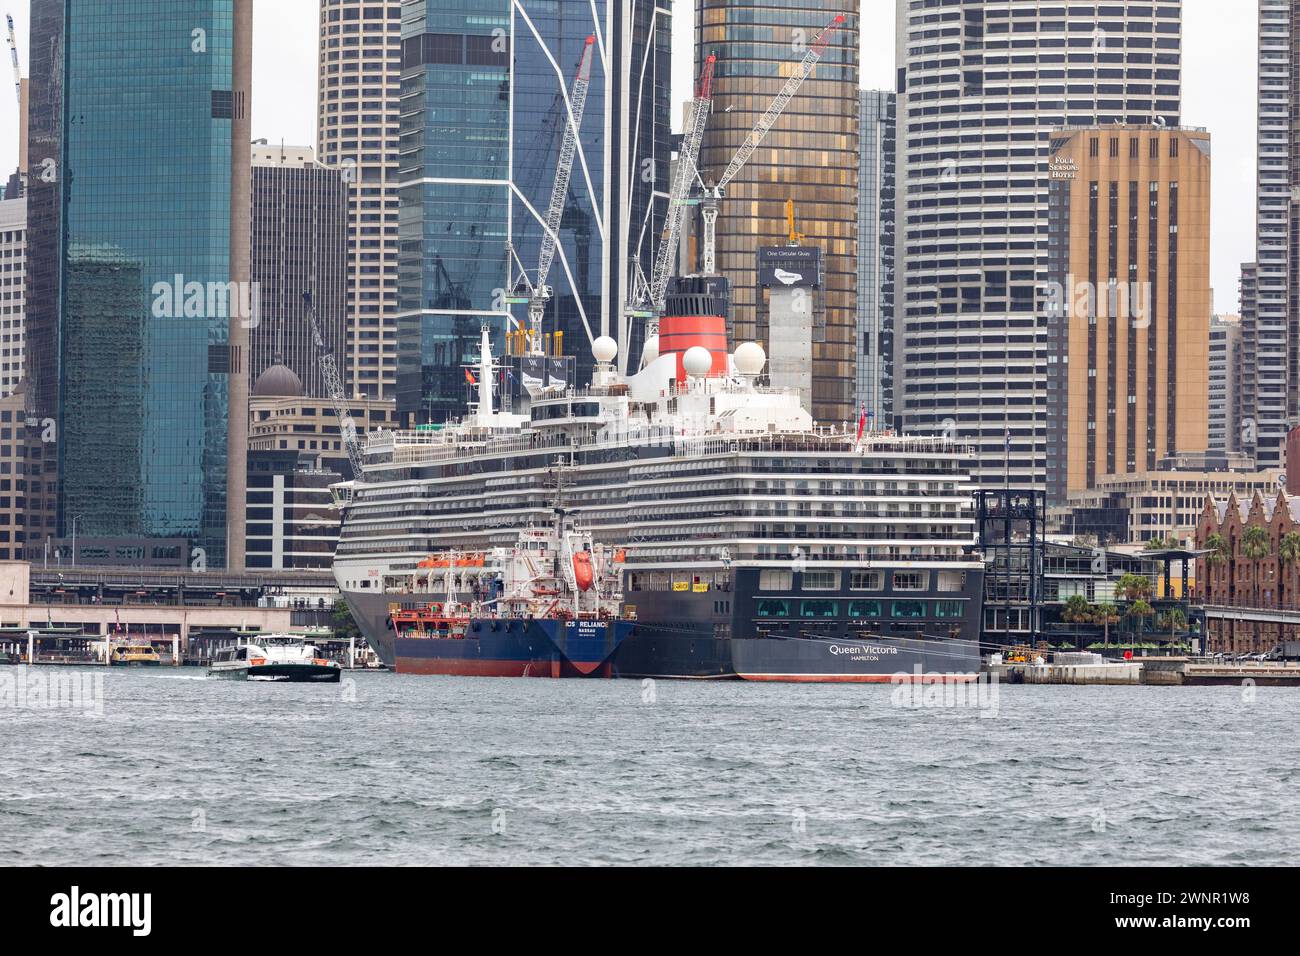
(407,447)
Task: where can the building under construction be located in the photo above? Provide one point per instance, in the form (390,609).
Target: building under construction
(491,102)
(808,156)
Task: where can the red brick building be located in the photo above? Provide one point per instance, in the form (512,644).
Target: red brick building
(1249,570)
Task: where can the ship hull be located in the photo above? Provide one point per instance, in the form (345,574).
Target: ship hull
(280,673)
(373,618)
(874,661)
(734,629)
(724,632)
(513,648)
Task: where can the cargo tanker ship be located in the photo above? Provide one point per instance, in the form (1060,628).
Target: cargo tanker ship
(547,607)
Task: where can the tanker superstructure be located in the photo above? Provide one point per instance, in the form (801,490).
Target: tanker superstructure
(755,544)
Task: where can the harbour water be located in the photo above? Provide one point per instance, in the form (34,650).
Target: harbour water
(172,768)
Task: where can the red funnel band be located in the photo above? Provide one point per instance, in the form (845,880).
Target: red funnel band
(677,333)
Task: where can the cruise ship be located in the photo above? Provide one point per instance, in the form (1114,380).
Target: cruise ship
(755,544)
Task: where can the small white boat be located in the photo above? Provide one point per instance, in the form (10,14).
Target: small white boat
(275,657)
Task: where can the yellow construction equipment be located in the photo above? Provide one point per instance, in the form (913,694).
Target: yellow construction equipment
(795,237)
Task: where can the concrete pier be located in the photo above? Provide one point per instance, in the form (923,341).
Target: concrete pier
(1117,672)
(1185,673)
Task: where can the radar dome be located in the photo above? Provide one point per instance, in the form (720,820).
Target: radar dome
(698,361)
(650,351)
(750,358)
(604,349)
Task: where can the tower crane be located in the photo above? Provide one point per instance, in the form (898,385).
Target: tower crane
(712,194)
(334,386)
(13,55)
(684,175)
(539,293)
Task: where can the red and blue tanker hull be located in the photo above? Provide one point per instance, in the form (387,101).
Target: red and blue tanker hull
(515,648)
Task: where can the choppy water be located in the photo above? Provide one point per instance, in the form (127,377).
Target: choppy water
(420,770)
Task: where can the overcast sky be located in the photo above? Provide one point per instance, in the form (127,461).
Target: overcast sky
(1219,48)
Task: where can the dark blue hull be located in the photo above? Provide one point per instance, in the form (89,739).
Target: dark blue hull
(516,648)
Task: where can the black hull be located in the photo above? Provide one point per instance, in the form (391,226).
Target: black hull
(282,674)
(732,629)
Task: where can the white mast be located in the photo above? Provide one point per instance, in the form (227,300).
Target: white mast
(485,379)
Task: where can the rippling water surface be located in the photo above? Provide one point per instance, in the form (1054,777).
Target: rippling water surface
(388,769)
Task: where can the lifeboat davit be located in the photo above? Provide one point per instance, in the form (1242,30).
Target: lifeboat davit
(582,570)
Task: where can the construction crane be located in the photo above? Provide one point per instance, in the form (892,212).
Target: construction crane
(334,386)
(13,55)
(539,293)
(795,237)
(712,194)
(685,174)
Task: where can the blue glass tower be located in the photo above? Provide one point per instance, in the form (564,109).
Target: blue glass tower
(483,114)
(153,273)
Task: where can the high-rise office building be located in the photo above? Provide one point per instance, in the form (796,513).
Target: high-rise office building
(300,244)
(139,351)
(876,209)
(809,156)
(982,88)
(44,214)
(1225,344)
(1128,312)
(359,85)
(1247,384)
(1271,346)
(13,282)
(485,93)
(27,498)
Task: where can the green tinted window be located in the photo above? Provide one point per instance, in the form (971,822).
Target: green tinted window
(909,609)
(819,609)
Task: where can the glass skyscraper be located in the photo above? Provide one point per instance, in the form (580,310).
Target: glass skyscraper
(484,88)
(145,150)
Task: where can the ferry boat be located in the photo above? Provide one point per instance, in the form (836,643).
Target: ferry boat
(133,655)
(756,544)
(275,657)
(546,607)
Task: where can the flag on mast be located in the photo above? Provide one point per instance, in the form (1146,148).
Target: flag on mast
(862,420)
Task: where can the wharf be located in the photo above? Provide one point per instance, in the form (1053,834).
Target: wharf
(1174,672)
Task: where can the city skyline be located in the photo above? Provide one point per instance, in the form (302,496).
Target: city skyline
(285,39)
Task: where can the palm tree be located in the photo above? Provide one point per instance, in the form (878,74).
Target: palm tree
(1076,610)
(1255,545)
(1138,610)
(1288,552)
(1105,614)
(1217,546)
(1174,621)
(1133,587)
